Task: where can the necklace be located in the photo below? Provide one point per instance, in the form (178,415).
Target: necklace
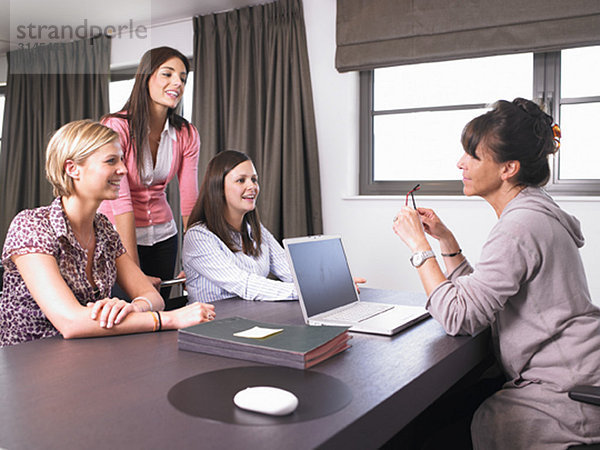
(87,243)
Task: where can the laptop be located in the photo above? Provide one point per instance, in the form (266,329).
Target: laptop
(328,295)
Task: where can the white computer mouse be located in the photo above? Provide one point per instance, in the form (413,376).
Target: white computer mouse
(266,400)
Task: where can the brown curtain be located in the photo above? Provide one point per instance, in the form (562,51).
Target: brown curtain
(378,33)
(253,94)
(47,87)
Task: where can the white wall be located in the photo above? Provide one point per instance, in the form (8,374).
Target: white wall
(365,223)
(127,51)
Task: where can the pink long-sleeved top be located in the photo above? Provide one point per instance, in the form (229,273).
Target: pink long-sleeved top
(149,203)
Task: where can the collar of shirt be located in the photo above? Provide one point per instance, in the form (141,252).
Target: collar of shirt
(237,236)
(60,225)
(58,220)
(157,173)
(63,229)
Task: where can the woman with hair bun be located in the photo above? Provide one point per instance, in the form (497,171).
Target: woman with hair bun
(529,285)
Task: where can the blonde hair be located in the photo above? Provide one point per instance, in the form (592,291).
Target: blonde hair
(75,141)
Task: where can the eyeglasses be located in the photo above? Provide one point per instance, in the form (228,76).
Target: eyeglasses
(416,188)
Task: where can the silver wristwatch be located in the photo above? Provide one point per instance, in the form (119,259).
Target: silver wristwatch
(418,258)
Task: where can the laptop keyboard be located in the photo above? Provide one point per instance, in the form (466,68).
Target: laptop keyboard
(358,312)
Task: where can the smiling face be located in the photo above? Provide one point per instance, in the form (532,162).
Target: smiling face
(99,176)
(241,191)
(167,83)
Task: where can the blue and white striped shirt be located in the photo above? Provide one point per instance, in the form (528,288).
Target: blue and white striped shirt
(214,272)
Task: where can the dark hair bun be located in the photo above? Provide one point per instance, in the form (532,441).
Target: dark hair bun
(515,131)
(542,125)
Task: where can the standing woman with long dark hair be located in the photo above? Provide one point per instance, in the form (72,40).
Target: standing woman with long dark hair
(157,144)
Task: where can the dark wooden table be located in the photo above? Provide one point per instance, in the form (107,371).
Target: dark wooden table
(112,392)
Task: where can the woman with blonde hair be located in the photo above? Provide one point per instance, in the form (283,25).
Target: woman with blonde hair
(62,260)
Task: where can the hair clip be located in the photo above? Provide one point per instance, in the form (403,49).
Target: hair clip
(557,135)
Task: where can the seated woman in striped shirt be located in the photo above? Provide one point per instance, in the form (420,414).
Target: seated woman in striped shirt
(227,252)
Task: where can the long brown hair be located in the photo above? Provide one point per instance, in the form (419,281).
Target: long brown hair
(211,205)
(137,108)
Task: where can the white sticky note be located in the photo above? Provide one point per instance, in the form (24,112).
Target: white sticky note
(258,332)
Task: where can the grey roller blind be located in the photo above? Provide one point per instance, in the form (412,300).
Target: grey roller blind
(379,33)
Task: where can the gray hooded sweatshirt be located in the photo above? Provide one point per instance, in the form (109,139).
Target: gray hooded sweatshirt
(530,286)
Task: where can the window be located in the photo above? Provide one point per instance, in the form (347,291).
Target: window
(412,117)
(579,110)
(187,102)
(2,103)
(118,93)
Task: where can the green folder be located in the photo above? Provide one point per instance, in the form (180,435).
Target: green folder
(299,346)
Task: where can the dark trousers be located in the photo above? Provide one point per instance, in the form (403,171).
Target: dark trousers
(446,424)
(156,260)
(159,260)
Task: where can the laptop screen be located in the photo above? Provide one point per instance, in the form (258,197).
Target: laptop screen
(322,273)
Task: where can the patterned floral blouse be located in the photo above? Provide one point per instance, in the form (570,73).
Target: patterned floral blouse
(46,230)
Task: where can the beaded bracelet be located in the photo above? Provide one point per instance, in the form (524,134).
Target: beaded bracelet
(155,321)
(145,299)
(159,321)
(450,255)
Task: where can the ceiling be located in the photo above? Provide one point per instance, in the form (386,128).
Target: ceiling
(27,22)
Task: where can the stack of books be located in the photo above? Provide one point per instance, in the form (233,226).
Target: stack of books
(297,346)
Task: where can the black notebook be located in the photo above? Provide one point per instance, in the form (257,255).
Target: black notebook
(298,346)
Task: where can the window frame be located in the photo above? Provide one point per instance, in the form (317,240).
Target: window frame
(2,93)
(122,74)
(546,88)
